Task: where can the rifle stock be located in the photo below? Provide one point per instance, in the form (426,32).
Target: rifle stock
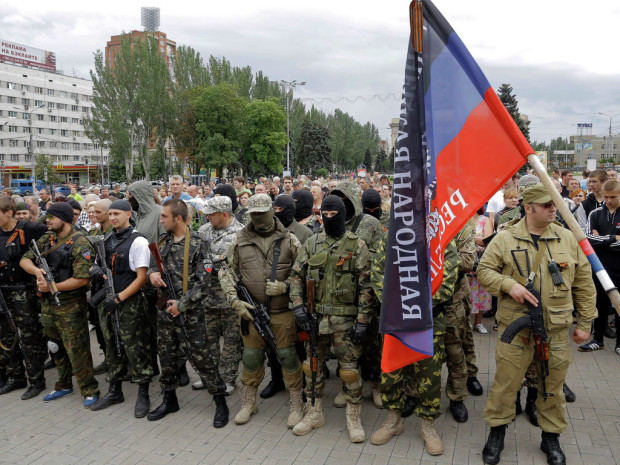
(49,277)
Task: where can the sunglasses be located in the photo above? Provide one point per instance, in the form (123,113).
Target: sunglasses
(548,204)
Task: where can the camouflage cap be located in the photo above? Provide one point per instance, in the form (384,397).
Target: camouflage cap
(259,203)
(221,203)
(536,194)
(527,181)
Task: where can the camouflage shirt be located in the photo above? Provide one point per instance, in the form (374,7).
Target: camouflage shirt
(466,245)
(172,255)
(322,242)
(217,243)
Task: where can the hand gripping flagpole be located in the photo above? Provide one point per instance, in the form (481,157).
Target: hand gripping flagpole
(571,222)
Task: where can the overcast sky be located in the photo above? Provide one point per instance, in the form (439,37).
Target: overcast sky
(560,56)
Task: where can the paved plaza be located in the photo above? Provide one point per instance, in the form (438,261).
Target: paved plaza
(63,432)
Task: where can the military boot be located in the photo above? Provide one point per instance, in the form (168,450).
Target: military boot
(392,426)
(277,381)
(550,445)
(220,418)
(376,394)
(297,409)
(3,378)
(339,400)
(169,404)
(12,384)
(432,441)
(143,401)
(494,446)
(313,418)
(183,379)
(530,405)
(248,407)
(354,423)
(114,396)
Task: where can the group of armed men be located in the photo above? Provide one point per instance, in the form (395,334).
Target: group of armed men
(273,289)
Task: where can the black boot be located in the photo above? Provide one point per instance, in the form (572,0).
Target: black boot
(33,391)
(550,445)
(494,446)
(3,378)
(410,403)
(114,396)
(169,404)
(459,411)
(277,382)
(518,408)
(143,401)
(221,411)
(568,394)
(183,376)
(13,384)
(474,387)
(530,405)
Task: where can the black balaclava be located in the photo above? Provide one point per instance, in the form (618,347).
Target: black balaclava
(228,191)
(348,204)
(371,199)
(303,204)
(287,215)
(334,226)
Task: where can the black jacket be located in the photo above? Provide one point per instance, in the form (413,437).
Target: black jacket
(606,246)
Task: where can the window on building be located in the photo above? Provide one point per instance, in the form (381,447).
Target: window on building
(64,119)
(14,157)
(76,158)
(84,109)
(25,88)
(52,118)
(26,129)
(40,130)
(74,95)
(38,90)
(65,145)
(75,120)
(25,116)
(40,117)
(64,132)
(25,101)
(40,143)
(62,93)
(53,145)
(61,106)
(87,146)
(96,146)
(38,103)
(11,85)
(50,92)
(75,133)
(2,156)
(26,143)
(12,114)
(75,108)
(76,146)
(12,128)
(11,100)
(65,158)
(12,143)
(53,132)
(86,98)
(27,157)
(51,105)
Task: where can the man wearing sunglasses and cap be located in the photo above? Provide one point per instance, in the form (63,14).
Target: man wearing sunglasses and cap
(535,247)
(69,256)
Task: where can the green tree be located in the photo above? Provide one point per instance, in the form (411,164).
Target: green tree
(381,161)
(313,150)
(219,123)
(265,138)
(44,169)
(368,161)
(512,105)
(189,69)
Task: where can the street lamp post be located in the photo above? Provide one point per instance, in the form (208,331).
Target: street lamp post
(609,141)
(287,87)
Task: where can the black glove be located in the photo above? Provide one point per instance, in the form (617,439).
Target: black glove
(301,313)
(109,304)
(96,273)
(358,332)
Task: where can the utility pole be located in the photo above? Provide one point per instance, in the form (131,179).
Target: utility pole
(287,87)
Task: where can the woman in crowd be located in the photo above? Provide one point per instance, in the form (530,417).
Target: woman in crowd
(92,217)
(481,299)
(577,196)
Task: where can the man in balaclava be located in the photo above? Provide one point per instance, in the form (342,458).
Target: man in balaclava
(262,256)
(241,214)
(371,205)
(303,209)
(339,262)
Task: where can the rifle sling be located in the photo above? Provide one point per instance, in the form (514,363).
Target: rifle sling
(274,266)
(537,260)
(64,241)
(186,260)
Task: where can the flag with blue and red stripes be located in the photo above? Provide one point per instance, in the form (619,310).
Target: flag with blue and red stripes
(457,145)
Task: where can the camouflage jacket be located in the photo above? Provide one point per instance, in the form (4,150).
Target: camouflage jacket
(320,242)
(466,246)
(217,243)
(198,284)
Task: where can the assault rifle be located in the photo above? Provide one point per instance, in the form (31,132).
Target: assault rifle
(314,334)
(6,313)
(49,277)
(167,294)
(260,314)
(108,290)
(533,319)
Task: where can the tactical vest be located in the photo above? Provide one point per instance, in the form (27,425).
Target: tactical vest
(59,260)
(11,252)
(255,268)
(117,247)
(333,269)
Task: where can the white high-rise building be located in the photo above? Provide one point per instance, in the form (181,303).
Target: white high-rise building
(46,108)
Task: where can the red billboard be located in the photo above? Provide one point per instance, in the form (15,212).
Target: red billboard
(27,56)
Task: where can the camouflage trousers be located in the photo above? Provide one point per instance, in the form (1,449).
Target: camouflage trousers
(151,295)
(68,325)
(171,341)
(335,331)
(427,376)
(284,326)
(25,311)
(134,338)
(224,322)
(457,326)
(467,341)
(370,360)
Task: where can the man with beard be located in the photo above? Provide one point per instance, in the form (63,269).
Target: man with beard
(18,291)
(68,254)
(128,258)
(339,262)
(262,256)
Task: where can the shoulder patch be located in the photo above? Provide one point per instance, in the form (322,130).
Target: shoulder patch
(86,254)
(207,265)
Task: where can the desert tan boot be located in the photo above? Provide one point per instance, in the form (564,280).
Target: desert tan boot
(431,438)
(392,426)
(313,418)
(248,406)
